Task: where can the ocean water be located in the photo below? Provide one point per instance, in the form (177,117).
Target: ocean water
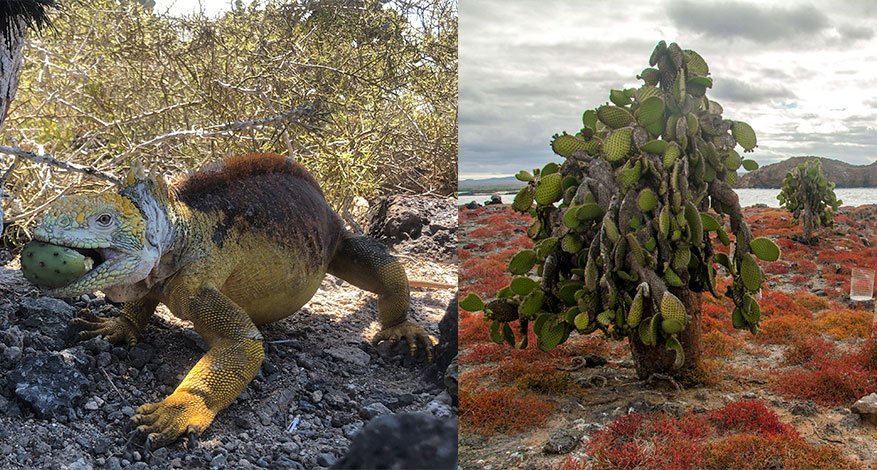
(748,197)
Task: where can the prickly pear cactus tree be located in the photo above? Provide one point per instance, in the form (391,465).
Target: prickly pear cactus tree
(625,227)
(809,196)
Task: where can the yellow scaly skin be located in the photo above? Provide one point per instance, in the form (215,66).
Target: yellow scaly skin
(227,258)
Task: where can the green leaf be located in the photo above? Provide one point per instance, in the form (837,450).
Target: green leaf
(472,303)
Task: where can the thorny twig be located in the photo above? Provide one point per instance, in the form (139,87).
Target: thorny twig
(114,387)
(5,177)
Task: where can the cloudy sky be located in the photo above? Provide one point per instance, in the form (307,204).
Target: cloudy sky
(804,75)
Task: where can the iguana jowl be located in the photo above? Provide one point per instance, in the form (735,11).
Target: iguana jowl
(241,242)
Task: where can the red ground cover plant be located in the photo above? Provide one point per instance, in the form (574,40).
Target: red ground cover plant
(718,344)
(805,350)
(811,302)
(506,410)
(829,381)
(844,324)
(778,303)
(742,434)
(785,329)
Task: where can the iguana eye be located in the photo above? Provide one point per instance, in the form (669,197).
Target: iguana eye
(105,219)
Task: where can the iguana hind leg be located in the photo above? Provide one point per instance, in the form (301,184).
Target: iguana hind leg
(365,263)
(123,329)
(220,376)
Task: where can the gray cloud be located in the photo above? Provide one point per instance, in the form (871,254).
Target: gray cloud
(741,91)
(735,19)
(855,33)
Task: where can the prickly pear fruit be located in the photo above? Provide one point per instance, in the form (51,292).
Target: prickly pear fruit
(50,266)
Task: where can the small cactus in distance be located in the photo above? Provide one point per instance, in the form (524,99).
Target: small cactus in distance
(809,196)
(623,230)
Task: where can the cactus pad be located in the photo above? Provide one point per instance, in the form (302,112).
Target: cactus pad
(744,135)
(765,249)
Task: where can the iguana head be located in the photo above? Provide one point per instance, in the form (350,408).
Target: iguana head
(121,232)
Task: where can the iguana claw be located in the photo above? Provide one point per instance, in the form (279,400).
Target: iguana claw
(117,330)
(412,333)
(163,422)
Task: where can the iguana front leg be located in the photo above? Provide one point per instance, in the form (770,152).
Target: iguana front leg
(233,360)
(365,263)
(123,329)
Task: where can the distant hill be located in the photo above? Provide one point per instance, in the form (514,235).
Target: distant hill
(507,182)
(843,174)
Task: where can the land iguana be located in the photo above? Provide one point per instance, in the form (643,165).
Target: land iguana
(237,244)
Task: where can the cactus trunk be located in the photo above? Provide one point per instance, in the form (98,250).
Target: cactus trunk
(650,360)
(808,224)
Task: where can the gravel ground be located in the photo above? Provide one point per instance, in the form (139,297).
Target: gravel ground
(67,405)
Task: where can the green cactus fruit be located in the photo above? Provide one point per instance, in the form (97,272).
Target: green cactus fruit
(697,67)
(672,308)
(522,262)
(650,76)
(532,303)
(522,285)
(647,200)
(548,189)
(674,345)
(695,224)
(589,119)
(657,53)
(765,249)
(618,144)
(744,135)
(650,110)
(523,200)
(51,266)
(619,98)
(750,273)
(671,327)
(613,116)
(472,303)
(565,145)
(589,211)
(750,165)
(654,146)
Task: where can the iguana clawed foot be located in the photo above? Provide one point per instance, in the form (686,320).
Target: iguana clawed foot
(116,330)
(412,333)
(163,422)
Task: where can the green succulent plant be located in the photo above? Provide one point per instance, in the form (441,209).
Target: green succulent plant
(809,196)
(624,240)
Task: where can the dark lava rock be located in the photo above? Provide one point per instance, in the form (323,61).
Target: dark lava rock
(805,408)
(140,354)
(49,382)
(561,441)
(415,224)
(472,205)
(403,441)
(444,370)
(47,316)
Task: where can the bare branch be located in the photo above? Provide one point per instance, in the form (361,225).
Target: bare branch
(47,159)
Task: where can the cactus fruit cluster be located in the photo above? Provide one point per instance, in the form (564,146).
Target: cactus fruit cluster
(809,196)
(51,266)
(622,228)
